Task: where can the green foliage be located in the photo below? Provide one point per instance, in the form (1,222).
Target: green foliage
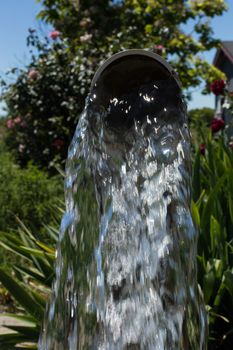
(47,96)
(199,123)
(213,211)
(44,104)
(112,26)
(26,193)
(28,282)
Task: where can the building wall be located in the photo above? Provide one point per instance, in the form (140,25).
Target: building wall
(226,66)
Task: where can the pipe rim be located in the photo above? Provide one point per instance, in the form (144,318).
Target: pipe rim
(135,52)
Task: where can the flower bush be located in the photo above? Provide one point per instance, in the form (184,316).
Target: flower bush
(45,102)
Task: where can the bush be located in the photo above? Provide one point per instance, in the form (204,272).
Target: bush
(26,193)
(199,123)
(44,104)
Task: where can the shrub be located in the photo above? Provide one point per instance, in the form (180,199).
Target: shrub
(199,123)
(26,193)
(44,104)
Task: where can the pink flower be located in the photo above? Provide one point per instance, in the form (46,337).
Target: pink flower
(10,123)
(33,74)
(21,148)
(18,120)
(217,124)
(159,48)
(202,149)
(58,143)
(217,86)
(54,34)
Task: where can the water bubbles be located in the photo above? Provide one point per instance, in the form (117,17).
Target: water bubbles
(125,272)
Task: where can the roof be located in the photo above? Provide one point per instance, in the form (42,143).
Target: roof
(227,49)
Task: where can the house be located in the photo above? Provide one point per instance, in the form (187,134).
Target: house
(223,60)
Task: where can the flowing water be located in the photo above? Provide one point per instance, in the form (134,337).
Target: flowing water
(126,259)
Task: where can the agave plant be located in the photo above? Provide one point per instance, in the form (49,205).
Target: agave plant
(29,282)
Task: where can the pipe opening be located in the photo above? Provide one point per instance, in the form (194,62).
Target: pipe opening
(134,87)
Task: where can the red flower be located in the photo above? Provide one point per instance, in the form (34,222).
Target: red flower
(54,34)
(58,143)
(10,123)
(217,124)
(33,74)
(202,149)
(217,86)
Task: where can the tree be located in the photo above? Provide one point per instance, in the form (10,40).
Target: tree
(199,123)
(103,29)
(47,97)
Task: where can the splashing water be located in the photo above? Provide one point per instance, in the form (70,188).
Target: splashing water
(126,259)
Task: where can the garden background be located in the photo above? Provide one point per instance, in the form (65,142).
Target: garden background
(43,99)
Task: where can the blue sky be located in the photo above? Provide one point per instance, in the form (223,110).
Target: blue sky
(16,16)
(222,27)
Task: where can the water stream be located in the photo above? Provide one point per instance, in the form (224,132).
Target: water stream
(126,258)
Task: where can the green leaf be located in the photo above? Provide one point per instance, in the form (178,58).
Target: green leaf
(34,273)
(7,341)
(16,249)
(195,214)
(213,197)
(46,248)
(30,332)
(22,296)
(228,282)
(37,253)
(196,183)
(200,200)
(212,278)
(216,236)
(25,318)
